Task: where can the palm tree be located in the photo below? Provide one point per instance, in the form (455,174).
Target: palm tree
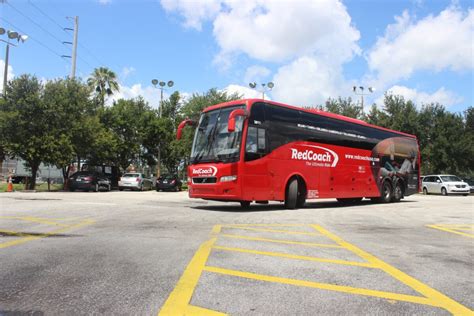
(104,82)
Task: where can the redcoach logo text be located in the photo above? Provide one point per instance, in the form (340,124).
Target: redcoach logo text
(205,171)
(315,156)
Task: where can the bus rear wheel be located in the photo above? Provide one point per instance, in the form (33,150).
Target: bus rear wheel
(386,192)
(245,204)
(397,192)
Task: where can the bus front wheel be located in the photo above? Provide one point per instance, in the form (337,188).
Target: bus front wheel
(291,198)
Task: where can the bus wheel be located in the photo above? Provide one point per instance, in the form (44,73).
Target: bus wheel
(245,204)
(291,198)
(397,192)
(349,200)
(386,192)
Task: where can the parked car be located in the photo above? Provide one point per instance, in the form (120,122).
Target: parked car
(135,181)
(89,181)
(168,182)
(470,183)
(444,184)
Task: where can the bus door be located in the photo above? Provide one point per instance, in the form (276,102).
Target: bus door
(256,178)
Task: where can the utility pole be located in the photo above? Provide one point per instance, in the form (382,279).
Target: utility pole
(74,47)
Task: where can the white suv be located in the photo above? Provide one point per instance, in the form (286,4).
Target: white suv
(444,184)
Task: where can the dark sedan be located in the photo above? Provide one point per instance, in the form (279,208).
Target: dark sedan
(89,181)
(168,183)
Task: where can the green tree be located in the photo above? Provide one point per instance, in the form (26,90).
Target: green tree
(128,121)
(30,125)
(104,82)
(344,107)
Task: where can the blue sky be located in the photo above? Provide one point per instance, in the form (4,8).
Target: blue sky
(311,50)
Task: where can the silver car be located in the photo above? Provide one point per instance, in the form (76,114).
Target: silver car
(444,184)
(135,181)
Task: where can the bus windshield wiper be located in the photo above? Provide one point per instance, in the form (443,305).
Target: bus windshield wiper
(210,140)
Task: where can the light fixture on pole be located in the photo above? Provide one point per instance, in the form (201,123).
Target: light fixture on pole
(264,87)
(160,85)
(362,92)
(11,36)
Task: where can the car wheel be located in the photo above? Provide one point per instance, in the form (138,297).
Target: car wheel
(120,189)
(444,191)
(72,189)
(465,194)
(425,191)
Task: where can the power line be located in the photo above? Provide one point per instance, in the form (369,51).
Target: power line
(34,22)
(62,28)
(47,16)
(32,38)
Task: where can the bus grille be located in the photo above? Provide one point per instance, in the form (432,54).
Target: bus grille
(204,180)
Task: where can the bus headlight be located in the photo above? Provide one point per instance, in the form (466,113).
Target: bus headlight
(228,178)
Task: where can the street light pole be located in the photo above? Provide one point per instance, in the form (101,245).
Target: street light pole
(362,93)
(264,87)
(160,85)
(5,71)
(11,35)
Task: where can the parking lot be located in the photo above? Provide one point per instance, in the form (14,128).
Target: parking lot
(152,253)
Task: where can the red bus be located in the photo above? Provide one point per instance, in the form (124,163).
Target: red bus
(256,150)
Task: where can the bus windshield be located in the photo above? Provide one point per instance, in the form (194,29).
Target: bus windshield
(212,141)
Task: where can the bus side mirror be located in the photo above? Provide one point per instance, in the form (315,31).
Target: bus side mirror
(181,126)
(232,116)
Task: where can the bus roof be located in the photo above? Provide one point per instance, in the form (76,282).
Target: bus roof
(315,111)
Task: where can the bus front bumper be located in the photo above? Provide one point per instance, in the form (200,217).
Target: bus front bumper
(226,191)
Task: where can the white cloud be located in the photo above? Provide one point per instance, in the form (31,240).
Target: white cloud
(435,43)
(256,73)
(194,12)
(246,92)
(277,31)
(308,81)
(126,71)
(149,93)
(10,74)
(105,2)
(441,96)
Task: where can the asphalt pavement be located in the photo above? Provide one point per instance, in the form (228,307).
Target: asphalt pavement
(150,253)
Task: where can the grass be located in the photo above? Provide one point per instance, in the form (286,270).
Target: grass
(43,187)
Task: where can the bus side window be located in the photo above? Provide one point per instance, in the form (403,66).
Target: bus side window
(256,145)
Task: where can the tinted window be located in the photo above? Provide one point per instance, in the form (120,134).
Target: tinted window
(257,114)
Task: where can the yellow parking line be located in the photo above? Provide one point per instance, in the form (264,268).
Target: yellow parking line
(280,241)
(43,235)
(436,298)
(323,286)
(274,231)
(266,225)
(451,230)
(178,301)
(297,257)
(46,221)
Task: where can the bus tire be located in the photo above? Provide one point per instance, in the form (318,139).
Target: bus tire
(245,204)
(397,192)
(387,192)
(291,197)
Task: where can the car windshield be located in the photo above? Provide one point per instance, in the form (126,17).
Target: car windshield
(212,141)
(167,177)
(450,179)
(131,175)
